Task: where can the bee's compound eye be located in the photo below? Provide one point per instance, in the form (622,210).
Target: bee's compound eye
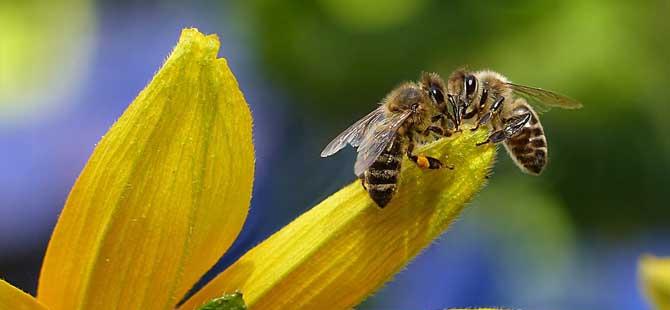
(470,85)
(436,94)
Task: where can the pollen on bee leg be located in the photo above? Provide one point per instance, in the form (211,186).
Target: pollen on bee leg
(423,161)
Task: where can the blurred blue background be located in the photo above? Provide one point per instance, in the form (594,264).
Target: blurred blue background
(568,239)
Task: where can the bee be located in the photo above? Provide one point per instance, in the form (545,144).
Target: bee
(488,98)
(412,113)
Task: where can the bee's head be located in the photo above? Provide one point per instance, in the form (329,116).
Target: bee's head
(462,85)
(461,89)
(435,87)
(409,97)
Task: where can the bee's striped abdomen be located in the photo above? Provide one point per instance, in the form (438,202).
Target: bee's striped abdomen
(528,148)
(381,179)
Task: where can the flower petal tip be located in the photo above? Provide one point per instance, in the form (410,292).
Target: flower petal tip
(654,274)
(345,248)
(162,196)
(14,298)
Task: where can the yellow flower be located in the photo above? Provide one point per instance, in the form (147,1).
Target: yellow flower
(167,191)
(654,276)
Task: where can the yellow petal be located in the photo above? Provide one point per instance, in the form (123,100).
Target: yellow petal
(345,248)
(14,298)
(655,278)
(164,194)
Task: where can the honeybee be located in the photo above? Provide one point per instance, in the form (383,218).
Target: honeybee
(410,114)
(489,98)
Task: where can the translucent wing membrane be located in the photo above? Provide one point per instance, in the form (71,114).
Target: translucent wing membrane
(544,100)
(377,138)
(354,133)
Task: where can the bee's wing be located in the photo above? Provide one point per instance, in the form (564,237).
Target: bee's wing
(377,138)
(543,100)
(354,133)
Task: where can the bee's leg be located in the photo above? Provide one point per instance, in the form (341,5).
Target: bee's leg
(510,129)
(486,117)
(436,129)
(482,106)
(482,120)
(447,130)
(474,112)
(495,137)
(440,119)
(442,129)
(425,162)
(362,177)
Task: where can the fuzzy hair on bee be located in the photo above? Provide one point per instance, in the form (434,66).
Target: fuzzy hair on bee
(418,112)
(411,114)
(487,98)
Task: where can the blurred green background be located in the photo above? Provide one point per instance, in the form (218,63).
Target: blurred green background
(567,239)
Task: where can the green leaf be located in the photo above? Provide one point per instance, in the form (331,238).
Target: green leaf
(232,301)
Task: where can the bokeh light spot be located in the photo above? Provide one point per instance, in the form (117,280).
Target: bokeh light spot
(44,51)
